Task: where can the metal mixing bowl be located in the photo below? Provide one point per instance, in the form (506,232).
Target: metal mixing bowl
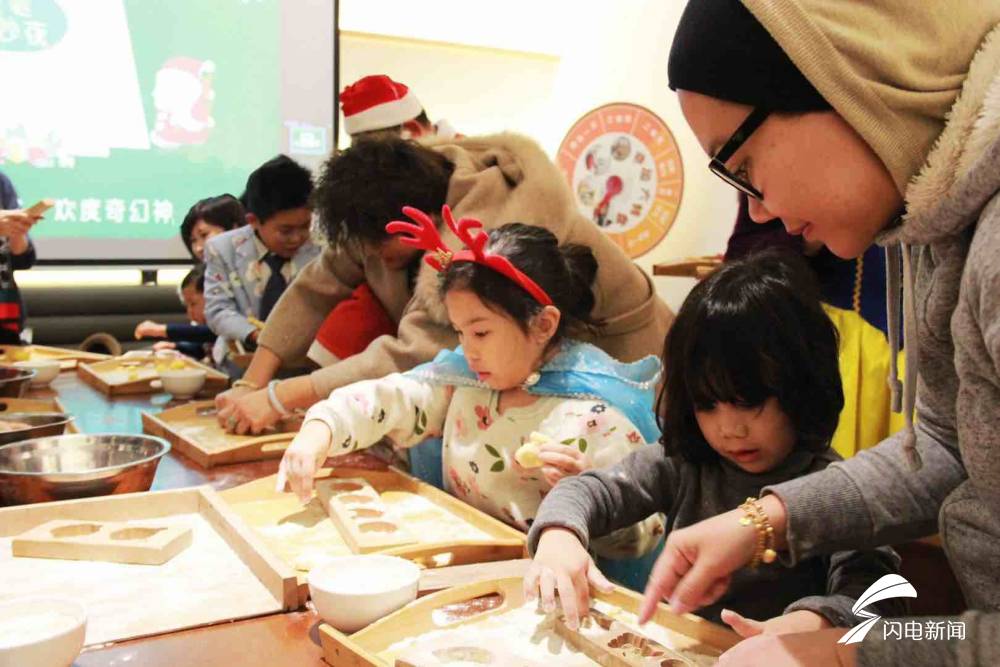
(78,466)
(14,381)
(41,424)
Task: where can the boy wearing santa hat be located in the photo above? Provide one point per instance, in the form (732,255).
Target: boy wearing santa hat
(374,107)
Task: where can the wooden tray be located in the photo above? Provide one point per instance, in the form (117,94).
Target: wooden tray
(36,405)
(193,430)
(114,377)
(690,267)
(306,536)
(67,358)
(225,574)
(697,639)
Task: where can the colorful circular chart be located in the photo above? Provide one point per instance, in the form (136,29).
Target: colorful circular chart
(625,170)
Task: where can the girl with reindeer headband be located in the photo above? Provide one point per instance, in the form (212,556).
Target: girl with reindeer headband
(520,405)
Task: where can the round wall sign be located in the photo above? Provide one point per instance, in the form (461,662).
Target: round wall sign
(625,170)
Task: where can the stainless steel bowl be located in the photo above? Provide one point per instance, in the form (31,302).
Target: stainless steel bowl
(40,425)
(78,466)
(14,381)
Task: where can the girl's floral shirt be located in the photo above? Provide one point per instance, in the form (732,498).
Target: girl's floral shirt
(479,442)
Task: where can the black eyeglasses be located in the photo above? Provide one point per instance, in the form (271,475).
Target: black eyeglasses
(718,163)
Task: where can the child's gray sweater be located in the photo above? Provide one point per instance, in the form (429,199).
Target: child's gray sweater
(597,502)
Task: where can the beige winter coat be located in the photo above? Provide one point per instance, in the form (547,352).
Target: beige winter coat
(498,179)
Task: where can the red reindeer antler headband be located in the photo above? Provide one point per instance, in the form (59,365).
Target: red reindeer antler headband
(424,235)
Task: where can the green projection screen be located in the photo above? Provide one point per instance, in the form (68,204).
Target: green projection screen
(126,112)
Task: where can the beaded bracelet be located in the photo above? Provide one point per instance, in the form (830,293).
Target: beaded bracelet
(754,515)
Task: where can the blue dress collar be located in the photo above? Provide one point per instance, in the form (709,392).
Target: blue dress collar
(578,370)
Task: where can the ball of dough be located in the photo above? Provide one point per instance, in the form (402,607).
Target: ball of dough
(527,454)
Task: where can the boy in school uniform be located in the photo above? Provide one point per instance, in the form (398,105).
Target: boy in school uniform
(248,268)
(374,107)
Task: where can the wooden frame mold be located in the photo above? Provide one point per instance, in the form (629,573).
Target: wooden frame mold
(113,541)
(170,424)
(505,543)
(474,602)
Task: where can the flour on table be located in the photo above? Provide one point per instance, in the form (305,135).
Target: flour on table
(205,583)
(305,536)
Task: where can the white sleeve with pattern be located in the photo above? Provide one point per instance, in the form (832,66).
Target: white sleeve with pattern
(405,410)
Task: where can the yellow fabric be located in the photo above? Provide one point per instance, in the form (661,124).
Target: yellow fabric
(867,418)
(891,68)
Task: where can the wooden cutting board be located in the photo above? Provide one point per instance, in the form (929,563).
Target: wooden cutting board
(137,374)
(67,358)
(194,431)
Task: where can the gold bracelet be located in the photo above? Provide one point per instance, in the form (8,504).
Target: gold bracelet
(754,515)
(246,383)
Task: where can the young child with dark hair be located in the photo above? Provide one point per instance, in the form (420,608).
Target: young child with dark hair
(194,338)
(516,382)
(751,397)
(210,217)
(247,269)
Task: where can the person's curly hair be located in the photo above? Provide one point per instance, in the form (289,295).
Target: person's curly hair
(363,188)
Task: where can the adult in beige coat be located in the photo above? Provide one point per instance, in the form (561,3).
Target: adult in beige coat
(496,179)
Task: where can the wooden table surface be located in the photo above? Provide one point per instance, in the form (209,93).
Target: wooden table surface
(292,638)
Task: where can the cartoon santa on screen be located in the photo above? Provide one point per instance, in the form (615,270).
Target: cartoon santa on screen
(183,96)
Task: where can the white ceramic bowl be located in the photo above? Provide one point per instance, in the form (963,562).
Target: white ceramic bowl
(352,591)
(183,383)
(47,370)
(41,632)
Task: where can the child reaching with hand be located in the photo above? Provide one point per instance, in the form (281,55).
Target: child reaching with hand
(511,295)
(752,397)
(194,339)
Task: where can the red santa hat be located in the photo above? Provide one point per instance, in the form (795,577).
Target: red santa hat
(377,102)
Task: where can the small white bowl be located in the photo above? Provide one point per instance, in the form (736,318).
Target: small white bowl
(351,592)
(41,632)
(183,383)
(47,370)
